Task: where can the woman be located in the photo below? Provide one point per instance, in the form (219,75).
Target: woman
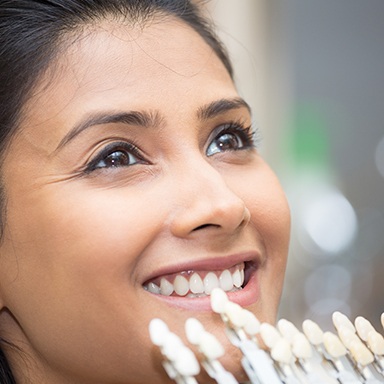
(131,185)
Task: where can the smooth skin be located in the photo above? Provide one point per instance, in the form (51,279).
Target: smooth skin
(86,226)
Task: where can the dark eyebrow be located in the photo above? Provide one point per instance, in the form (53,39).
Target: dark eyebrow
(220,106)
(137,118)
(149,119)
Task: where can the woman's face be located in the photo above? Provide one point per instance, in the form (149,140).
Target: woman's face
(133,169)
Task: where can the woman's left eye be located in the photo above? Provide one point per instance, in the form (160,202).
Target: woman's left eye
(115,155)
(231,137)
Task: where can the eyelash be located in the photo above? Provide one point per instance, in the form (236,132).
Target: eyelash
(115,146)
(246,134)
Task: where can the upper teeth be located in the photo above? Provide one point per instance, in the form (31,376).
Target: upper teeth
(195,285)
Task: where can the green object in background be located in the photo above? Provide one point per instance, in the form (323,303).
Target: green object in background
(308,142)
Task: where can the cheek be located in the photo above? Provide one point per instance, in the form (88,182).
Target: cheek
(266,200)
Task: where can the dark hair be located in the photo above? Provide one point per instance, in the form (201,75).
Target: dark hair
(31,31)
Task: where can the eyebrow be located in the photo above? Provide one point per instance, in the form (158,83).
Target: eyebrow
(149,119)
(221,106)
(137,118)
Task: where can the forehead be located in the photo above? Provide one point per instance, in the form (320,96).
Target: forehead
(166,57)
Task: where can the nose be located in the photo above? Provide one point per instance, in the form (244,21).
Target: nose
(205,201)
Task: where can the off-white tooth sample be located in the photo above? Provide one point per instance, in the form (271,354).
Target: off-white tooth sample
(194,330)
(375,343)
(210,346)
(301,347)
(236,277)
(166,288)
(235,314)
(287,329)
(269,334)
(363,327)
(313,332)
(181,285)
(361,353)
(347,336)
(158,331)
(281,351)
(242,276)
(196,284)
(218,300)
(333,345)
(210,282)
(382,319)
(340,320)
(225,280)
(153,288)
(252,324)
(186,363)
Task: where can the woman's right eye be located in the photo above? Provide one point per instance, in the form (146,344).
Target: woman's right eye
(115,155)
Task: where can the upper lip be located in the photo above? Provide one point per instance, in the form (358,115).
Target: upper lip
(216,263)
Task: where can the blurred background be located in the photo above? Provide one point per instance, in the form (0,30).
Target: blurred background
(313,73)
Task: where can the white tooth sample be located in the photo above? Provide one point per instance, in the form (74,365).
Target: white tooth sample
(313,332)
(210,282)
(281,351)
(301,347)
(287,329)
(194,330)
(158,331)
(166,288)
(210,346)
(375,343)
(347,336)
(225,280)
(235,314)
(252,324)
(382,319)
(363,327)
(186,363)
(218,300)
(340,320)
(196,285)
(236,278)
(153,288)
(333,345)
(361,353)
(171,346)
(269,334)
(181,285)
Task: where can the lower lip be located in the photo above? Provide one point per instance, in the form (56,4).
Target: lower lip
(244,297)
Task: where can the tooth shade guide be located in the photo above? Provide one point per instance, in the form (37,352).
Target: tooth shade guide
(218,300)
(291,353)
(347,336)
(313,332)
(193,330)
(287,329)
(375,342)
(341,320)
(158,331)
(301,347)
(333,345)
(269,334)
(363,327)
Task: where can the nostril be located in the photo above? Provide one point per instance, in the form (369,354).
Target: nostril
(205,226)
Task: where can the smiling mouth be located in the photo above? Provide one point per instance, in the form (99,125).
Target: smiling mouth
(195,284)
